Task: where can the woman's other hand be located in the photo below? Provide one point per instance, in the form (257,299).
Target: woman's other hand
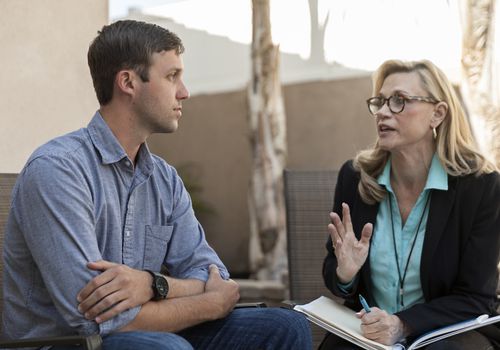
(382,327)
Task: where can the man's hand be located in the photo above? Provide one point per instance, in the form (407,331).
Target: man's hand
(224,294)
(116,289)
(381,327)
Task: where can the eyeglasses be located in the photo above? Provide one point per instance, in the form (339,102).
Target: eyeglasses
(396,103)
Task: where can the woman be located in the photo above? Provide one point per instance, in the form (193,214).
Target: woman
(415,223)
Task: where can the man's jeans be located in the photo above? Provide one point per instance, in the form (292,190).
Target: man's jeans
(248,328)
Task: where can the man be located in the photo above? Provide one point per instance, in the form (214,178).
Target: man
(95,215)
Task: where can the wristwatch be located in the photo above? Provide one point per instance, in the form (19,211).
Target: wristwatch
(160,285)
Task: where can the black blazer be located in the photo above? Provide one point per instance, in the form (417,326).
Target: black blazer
(458,267)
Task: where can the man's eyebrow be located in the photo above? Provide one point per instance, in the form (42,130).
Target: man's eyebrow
(175,70)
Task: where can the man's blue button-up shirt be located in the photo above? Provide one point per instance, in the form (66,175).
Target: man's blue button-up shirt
(80,199)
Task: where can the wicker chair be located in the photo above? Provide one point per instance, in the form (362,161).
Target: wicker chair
(92,342)
(308,199)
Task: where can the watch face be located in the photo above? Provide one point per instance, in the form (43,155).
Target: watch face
(162,287)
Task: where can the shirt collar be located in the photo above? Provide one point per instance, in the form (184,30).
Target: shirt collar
(110,148)
(384,179)
(436,179)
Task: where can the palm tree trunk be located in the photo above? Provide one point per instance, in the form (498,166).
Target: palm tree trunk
(481,88)
(268,143)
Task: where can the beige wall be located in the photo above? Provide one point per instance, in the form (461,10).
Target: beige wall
(327,123)
(45,88)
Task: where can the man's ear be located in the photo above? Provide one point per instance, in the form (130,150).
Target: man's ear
(440,112)
(125,82)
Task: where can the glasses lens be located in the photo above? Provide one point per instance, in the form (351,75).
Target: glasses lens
(396,103)
(375,104)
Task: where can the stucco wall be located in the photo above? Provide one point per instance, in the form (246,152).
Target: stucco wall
(45,89)
(327,123)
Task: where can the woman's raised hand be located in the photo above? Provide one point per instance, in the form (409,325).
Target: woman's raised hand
(351,254)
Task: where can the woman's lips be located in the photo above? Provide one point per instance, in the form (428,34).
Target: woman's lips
(385,129)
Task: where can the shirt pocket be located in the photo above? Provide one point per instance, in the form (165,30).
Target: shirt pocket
(156,245)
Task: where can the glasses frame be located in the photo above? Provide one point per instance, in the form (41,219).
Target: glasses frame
(405,99)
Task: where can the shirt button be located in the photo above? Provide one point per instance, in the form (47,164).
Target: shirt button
(127,233)
(127,163)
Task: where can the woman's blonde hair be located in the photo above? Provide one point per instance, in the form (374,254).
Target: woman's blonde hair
(455,144)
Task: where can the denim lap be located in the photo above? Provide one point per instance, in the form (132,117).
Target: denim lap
(139,340)
(243,329)
(253,328)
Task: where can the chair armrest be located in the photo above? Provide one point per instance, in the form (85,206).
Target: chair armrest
(246,305)
(289,304)
(92,342)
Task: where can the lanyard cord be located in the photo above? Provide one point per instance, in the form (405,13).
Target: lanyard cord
(402,279)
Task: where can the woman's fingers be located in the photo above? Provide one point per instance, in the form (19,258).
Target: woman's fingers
(346,213)
(334,235)
(341,230)
(343,225)
(366,234)
(339,226)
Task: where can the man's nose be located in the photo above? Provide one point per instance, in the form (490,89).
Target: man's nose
(183,92)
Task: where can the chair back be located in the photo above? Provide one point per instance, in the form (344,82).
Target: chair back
(308,200)
(7,182)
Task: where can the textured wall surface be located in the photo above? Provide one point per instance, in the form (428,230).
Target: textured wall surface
(45,89)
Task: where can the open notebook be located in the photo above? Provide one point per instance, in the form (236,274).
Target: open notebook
(343,322)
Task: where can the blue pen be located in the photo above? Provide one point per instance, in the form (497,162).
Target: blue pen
(364,304)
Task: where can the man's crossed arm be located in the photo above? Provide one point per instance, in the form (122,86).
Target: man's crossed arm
(190,302)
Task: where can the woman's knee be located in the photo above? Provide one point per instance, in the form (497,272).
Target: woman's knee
(463,341)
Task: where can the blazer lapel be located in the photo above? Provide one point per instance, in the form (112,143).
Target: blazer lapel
(439,212)
(364,214)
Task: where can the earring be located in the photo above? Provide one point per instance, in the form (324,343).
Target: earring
(434,133)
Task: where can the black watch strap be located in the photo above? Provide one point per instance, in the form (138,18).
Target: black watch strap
(159,285)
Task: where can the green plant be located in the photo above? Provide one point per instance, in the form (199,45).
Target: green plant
(190,174)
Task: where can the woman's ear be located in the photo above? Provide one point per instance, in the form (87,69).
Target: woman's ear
(440,112)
